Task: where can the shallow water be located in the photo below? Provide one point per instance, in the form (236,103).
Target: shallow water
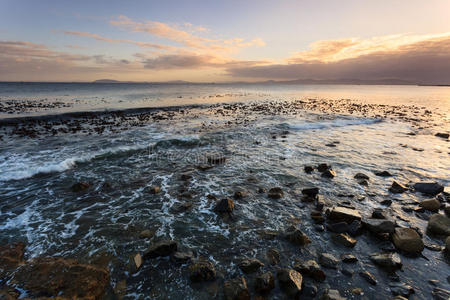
(262,151)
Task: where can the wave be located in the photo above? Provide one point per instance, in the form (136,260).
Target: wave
(331,124)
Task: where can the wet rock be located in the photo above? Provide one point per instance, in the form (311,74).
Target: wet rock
(182,257)
(442,135)
(378,213)
(343,214)
(361,176)
(401,289)
(154,190)
(181,207)
(383,174)
(311,192)
(349,258)
(328,260)
(309,290)
(202,270)
(296,236)
(363,182)
(408,240)
(428,188)
(11,256)
(368,277)
(264,283)
(273,256)
(332,295)
(236,289)
(386,202)
(387,260)
(447,210)
(378,226)
(161,248)
(439,224)
(250,265)
(69,279)
(80,187)
(397,188)
(275,193)
(146,234)
(344,240)
(339,227)
(204,167)
(224,206)
(290,281)
(239,195)
(310,268)
(216,159)
(308,169)
(137,260)
(447,245)
(430,204)
(357,291)
(329,174)
(441,294)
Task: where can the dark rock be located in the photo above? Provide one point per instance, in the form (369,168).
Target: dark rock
(224,206)
(387,260)
(408,240)
(332,295)
(344,240)
(349,258)
(343,214)
(309,290)
(428,188)
(181,207)
(439,224)
(311,192)
(161,248)
(378,226)
(401,289)
(329,174)
(216,159)
(11,256)
(383,174)
(182,257)
(442,135)
(327,260)
(308,169)
(154,190)
(363,182)
(250,265)
(146,234)
(368,277)
(296,236)
(378,213)
(441,294)
(80,187)
(202,270)
(275,193)
(323,167)
(239,195)
(264,283)
(290,281)
(310,268)
(447,210)
(355,228)
(447,245)
(361,176)
(339,227)
(397,188)
(386,202)
(236,289)
(273,256)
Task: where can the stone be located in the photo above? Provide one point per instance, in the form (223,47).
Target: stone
(290,281)
(447,210)
(401,289)
(216,159)
(202,270)
(181,207)
(378,226)
(344,240)
(397,188)
(323,167)
(239,195)
(408,240)
(327,260)
(363,182)
(329,174)
(64,278)
(250,265)
(387,260)
(439,224)
(308,169)
(236,289)
(430,204)
(349,258)
(11,256)
(275,193)
(311,192)
(383,174)
(264,283)
(358,291)
(146,234)
(273,256)
(309,290)
(296,236)
(339,227)
(332,295)
(154,190)
(361,176)
(343,214)
(378,213)
(225,205)
(442,135)
(441,294)
(182,257)
(137,259)
(80,187)
(368,277)
(161,248)
(310,268)
(428,188)
(447,245)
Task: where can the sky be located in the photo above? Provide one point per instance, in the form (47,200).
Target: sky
(216,41)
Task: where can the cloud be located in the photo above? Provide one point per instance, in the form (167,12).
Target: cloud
(423,59)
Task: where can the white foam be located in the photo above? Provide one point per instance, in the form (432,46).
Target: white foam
(333,124)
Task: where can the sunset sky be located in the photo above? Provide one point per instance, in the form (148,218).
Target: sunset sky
(225,41)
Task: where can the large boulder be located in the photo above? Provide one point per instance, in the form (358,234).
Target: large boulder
(428,188)
(202,270)
(343,214)
(378,226)
(264,283)
(236,289)
(225,205)
(408,240)
(430,204)
(161,248)
(439,224)
(290,281)
(58,277)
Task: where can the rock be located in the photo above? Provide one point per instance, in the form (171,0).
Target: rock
(447,245)
(447,210)
(250,265)
(428,188)
(275,193)
(154,190)
(378,226)
(332,295)
(11,256)
(368,277)
(309,290)
(204,167)
(329,174)
(358,291)
(182,257)
(442,135)
(308,169)
(323,167)
(439,224)
(408,240)
(383,174)
(239,195)
(273,256)
(296,236)
(161,248)
(387,260)
(146,234)
(64,278)
(349,258)
(80,187)
(441,294)
(202,270)
(137,259)
(224,206)
(363,182)
(327,260)
(339,227)
(311,192)
(216,159)
(387,202)
(264,283)
(397,188)
(344,240)
(343,214)
(290,281)
(310,268)
(236,289)
(361,176)
(378,213)
(401,289)
(181,207)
